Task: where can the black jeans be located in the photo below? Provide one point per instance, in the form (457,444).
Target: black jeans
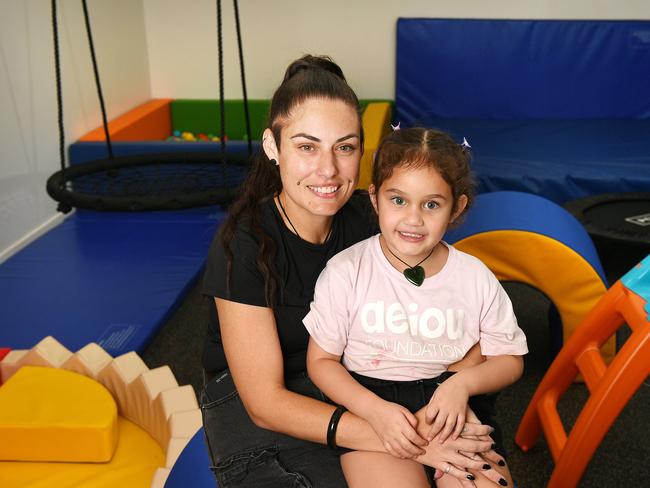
(245,455)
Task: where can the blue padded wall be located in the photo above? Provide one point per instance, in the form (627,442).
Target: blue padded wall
(516,69)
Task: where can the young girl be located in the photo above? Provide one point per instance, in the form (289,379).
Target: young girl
(393,311)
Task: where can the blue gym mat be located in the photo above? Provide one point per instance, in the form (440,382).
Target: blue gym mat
(107,277)
(558,108)
(560,160)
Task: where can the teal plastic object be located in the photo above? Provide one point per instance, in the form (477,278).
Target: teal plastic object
(638,281)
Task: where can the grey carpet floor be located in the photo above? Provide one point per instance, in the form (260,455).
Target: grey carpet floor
(622,460)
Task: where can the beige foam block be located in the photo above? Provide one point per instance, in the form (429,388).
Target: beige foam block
(167,403)
(142,392)
(160,477)
(11,363)
(179,399)
(48,352)
(185,424)
(174,449)
(118,374)
(89,360)
(154,381)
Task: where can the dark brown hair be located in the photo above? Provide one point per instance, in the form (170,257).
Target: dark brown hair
(419,147)
(306,78)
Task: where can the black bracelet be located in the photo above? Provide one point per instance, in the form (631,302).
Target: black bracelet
(331,428)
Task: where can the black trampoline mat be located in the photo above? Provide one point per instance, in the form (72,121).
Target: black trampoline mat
(619,219)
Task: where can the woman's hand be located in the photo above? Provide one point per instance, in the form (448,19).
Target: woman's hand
(473,449)
(448,459)
(395,426)
(474,430)
(492,467)
(446,410)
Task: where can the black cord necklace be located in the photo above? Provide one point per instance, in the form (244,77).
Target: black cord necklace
(415,274)
(284,212)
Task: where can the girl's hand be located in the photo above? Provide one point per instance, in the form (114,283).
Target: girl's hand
(395,426)
(446,411)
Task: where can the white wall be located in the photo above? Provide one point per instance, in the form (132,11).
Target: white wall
(358,34)
(29,151)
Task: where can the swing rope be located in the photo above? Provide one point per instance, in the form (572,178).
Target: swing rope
(222,108)
(59,98)
(97,82)
(247,116)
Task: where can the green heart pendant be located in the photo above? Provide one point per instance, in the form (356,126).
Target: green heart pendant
(415,275)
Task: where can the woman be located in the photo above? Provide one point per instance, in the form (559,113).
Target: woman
(265,422)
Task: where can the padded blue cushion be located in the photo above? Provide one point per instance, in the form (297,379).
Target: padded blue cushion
(557,159)
(106,277)
(514,69)
(509,210)
(558,108)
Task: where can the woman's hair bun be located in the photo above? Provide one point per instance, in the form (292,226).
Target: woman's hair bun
(309,62)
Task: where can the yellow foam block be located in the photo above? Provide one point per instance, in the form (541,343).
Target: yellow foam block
(376,121)
(49,414)
(133,465)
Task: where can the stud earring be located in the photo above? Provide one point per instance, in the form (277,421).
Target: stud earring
(275,162)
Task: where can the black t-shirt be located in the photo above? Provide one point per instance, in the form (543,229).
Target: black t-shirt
(298,264)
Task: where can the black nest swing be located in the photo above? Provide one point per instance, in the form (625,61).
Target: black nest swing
(149,181)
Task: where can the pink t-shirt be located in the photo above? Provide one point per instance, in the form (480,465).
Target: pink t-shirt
(384,327)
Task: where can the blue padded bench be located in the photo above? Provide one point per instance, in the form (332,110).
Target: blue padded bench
(106,277)
(558,108)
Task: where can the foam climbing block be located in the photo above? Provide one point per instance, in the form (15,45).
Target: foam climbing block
(118,375)
(525,238)
(162,413)
(51,414)
(48,353)
(89,360)
(376,122)
(133,465)
(176,414)
(150,121)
